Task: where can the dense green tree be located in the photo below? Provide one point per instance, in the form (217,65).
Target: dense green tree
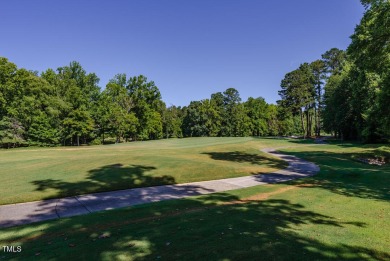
(102,115)
(217,101)
(211,116)
(288,124)
(333,60)
(319,73)
(7,72)
(258,113)
(193,120)
(115,114)
(75,94)
(230,118)
(44,131)
(333,104)
(172,122)
(78,124)
(123,124)
(29,100)
(298,94)
(369,50)
(350,96)
(11,132)
(273,121)
(147,107)
(240,122)
(357,91)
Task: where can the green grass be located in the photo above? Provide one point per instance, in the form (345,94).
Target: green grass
(342,213)
(342,173)
(42,173)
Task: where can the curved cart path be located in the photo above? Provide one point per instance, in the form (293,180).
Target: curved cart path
(24,213)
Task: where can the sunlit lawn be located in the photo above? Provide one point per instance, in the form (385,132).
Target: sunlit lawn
(342,213)
(41,173)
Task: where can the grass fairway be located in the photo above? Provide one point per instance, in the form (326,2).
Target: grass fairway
(43,173)
(342,213)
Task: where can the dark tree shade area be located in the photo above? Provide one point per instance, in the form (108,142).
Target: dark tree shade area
(67,107)
(347,93)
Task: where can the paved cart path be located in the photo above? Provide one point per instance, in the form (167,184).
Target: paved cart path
(24,213)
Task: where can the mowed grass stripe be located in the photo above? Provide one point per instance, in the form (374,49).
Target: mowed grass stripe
(35,174)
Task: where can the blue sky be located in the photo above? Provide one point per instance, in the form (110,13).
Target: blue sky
(190,49)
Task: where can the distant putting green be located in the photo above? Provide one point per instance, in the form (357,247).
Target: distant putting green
(29,174)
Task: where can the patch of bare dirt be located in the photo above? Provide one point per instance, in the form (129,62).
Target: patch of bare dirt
(264,196)
(372,161)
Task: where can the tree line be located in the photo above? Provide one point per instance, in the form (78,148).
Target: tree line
(347,93)
(67,107)
(302,91)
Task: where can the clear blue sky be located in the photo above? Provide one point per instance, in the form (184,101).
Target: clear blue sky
(190,49)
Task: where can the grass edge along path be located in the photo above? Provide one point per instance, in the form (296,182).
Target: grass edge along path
(347,221)
(42,173)
(24,213)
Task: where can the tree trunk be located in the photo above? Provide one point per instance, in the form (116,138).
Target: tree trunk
(309,119)
(319,112)
(307,123)
(310,124)
(302,122)
(315,121)
(78,140)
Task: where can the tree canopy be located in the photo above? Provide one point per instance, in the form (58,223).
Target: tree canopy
(67,107)
(352,87)
(345,93)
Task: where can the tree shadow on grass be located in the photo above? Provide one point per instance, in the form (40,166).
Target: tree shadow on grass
(298,140)
(106,178)
(352,144)
(108,187)
(242,157)
(114,177)
(307,141)
(216,227)
(341,173)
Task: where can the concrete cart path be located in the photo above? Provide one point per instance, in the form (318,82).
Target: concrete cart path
(24,213)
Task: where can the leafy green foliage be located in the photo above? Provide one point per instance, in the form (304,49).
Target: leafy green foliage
(172,121)
(11,132)
(357,91)
(356,83)
(298,94)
